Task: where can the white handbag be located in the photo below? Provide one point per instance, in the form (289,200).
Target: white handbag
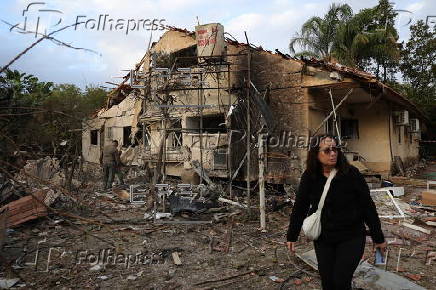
(312,224)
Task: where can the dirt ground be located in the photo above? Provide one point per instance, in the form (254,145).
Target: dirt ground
(114,247)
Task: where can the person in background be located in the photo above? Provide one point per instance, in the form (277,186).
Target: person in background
(109,159)
(347,208)
(118,168)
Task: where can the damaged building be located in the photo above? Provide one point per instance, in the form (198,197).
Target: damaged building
(199,101)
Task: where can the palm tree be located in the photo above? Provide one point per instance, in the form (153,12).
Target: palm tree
(317,35)
(369,41)
(352,41)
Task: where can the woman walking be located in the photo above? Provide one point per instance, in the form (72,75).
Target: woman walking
(347,208)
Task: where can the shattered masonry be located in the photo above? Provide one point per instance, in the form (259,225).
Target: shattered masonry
(203,112)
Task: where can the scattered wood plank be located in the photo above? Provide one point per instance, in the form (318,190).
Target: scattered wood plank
(201,172)
(3,220)
(228,237)
(416,228)
(211,244)
(399,165)
(225,200)
(26,208)
(430,223)
(176,258)
(428,197)
(239,166)
(401,181)
(223,279)
(409,234)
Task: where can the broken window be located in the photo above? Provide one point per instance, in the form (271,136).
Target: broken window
(126,136)
(94,137)
(186,57)
(212,124)
(138,137)
(175,136)
(349,129)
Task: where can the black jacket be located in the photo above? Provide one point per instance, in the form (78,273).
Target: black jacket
(347,207)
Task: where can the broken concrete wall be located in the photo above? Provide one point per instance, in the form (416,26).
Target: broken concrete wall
(110,126)
(188,148)
(90,148)
(120,116)
(287,101)
(45,169)
(283,84)
(173,41)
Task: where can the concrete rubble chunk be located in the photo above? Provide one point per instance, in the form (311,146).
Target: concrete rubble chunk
(225,200)
(370,277)
(8,283)
(97,267)
(367,276)
(161,215)
(276,279)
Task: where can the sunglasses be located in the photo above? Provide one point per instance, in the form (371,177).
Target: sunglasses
(330,149)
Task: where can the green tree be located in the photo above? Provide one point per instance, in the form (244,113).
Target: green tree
(93,98)
(418,65)
(20,95)
(38,116)
(65,109)
(317,34)
(369,41)
(352,39)
(383,48)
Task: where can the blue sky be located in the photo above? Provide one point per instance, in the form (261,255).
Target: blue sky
(269,24)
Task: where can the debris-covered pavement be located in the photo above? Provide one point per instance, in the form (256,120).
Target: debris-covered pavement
(90,238)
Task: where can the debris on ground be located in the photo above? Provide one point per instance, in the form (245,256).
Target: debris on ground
(8,283)
(190,231)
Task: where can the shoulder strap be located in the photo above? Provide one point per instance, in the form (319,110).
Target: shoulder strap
(326,189)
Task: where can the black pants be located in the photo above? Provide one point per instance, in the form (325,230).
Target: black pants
(338,261)
(108,175)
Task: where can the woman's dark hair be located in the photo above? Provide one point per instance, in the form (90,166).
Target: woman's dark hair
(313,166)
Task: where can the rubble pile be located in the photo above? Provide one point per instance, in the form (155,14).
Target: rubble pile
(188,236)
(416,168)
(45,169)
